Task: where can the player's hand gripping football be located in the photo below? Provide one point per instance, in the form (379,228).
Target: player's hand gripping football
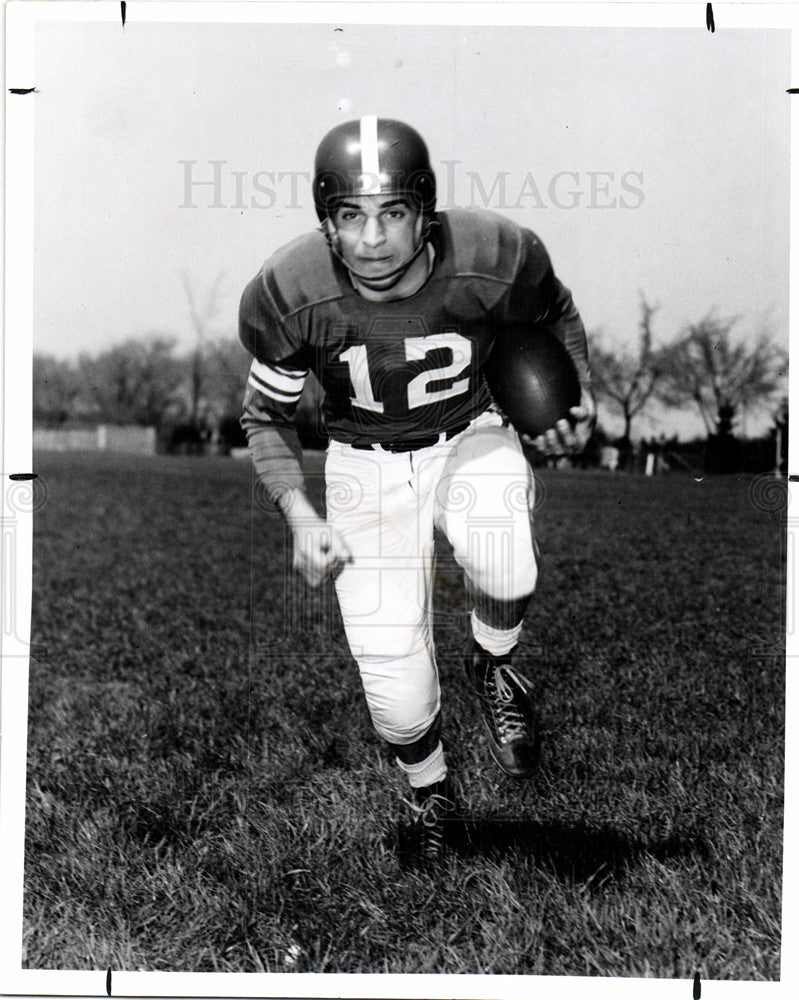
(319,550)
(569,437)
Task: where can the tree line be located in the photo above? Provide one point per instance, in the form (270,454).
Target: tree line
(189,396)
(718,366)
(143,380)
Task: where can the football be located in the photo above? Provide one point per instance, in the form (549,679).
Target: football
(532,379)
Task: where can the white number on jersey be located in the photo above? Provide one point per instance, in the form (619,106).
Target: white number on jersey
(416,349)
(359,376)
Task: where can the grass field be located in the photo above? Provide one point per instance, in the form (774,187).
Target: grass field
(205,791)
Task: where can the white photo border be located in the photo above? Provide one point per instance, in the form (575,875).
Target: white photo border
(20,498)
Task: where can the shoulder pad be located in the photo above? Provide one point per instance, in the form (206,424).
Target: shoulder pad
(300,275)
(483,243)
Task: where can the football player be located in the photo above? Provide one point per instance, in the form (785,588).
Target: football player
(395,307)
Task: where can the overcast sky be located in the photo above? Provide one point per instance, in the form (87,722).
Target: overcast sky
(644,159)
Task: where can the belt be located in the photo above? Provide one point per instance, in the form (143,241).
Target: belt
(425,442)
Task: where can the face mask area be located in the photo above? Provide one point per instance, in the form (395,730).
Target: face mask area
(383,281)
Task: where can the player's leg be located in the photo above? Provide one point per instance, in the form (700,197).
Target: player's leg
(433,795)
(385,596)
(493,542)
(484,503)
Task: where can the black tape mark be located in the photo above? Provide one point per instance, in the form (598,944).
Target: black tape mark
(711,24)
(21,477)
(108,981)
(793,479)
(338,29)
(792,90)
(697,980)
(124,7)
(22,90)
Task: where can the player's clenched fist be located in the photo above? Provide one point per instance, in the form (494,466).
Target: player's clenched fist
(319,550)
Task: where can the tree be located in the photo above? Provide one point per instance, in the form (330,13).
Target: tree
(224,374)
(201,319)
(627,380)
(132,382)
(56,390)
(721,373)
(781,437)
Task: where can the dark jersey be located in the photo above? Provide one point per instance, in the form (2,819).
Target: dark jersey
(399,370)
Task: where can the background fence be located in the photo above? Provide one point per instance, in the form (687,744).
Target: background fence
(104,437)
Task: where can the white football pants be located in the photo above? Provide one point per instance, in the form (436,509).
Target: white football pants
(478,489)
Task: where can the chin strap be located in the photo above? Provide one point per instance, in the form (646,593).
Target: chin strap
(332,242)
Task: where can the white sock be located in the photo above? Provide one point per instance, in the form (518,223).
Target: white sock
(497,641)
(428,771)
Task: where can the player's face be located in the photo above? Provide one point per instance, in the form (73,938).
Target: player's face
(376,235)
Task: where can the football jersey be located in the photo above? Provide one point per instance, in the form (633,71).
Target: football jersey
(393,371)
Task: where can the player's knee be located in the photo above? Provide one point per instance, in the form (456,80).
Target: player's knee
(527,579)
(404,724)
(402,694)
(406,715)
(503,583)
(374,644)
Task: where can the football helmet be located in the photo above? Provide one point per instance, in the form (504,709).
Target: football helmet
(373,155)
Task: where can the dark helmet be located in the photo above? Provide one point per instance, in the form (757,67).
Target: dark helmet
(373,156)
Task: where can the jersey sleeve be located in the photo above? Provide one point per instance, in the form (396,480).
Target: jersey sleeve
(274,446)
(538,296)
(274,386)
(269,336)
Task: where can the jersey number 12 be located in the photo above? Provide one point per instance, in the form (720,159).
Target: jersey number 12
(416,349)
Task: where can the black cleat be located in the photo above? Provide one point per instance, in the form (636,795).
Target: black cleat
(504,695)
(433,806)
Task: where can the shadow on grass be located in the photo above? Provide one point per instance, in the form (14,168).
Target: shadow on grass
(576,853)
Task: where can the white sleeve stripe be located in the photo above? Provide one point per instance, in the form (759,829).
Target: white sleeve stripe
(273,391)
(289,372)
(275,379)
(293,393)
(281,397)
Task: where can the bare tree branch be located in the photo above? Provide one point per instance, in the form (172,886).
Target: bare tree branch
(721,373)
(628,380)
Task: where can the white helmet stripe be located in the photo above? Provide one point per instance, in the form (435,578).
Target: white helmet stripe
(370,161)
